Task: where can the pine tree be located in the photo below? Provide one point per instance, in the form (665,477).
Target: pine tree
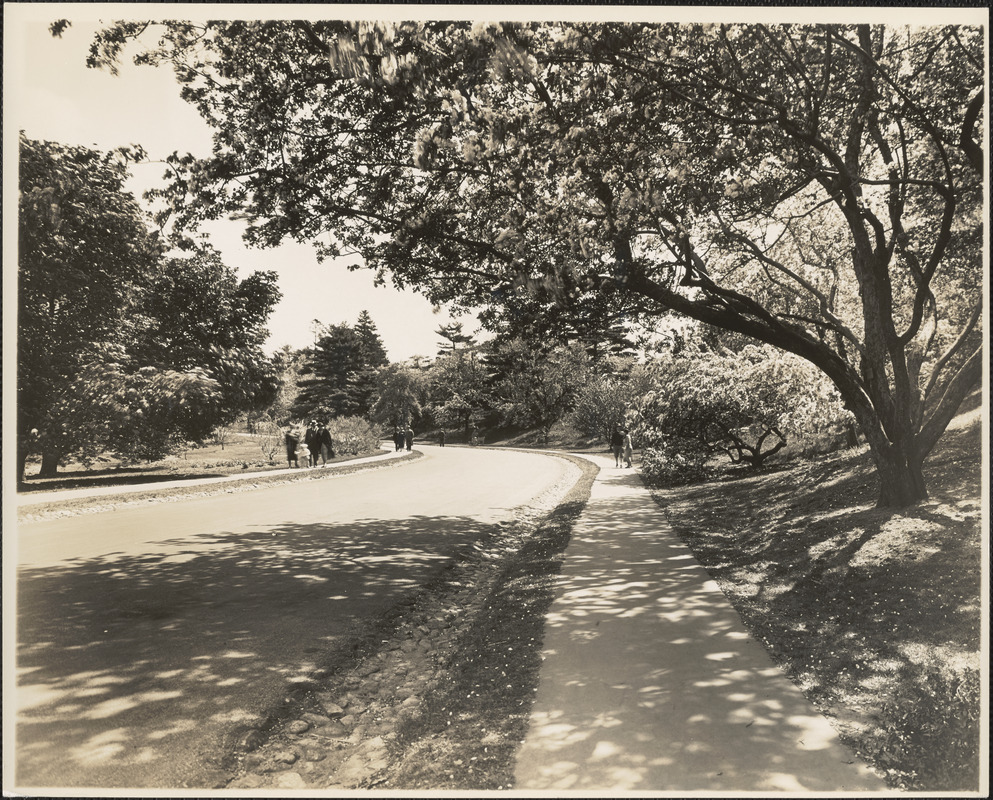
(340,377)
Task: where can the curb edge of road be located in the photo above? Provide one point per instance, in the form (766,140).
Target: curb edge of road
(109,502)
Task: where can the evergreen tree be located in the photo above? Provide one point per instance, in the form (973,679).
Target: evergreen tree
(371,357)
(339,379)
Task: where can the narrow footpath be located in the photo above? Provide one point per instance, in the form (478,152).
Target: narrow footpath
(650,680)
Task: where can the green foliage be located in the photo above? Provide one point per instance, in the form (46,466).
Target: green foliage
(117,346)
(537,385)
(167,409)
(743,404)
(454,337)
(339,376)
(289,365)
(353,436)
(82,249)
(675,461)
(400,392)
(270,437)
(814,187)
(459,390)
(605,400)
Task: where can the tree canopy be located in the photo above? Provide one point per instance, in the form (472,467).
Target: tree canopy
(83,246)
(119,347)
(815,187)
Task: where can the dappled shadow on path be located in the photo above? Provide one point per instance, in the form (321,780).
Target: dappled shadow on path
(133,668)
(651,682)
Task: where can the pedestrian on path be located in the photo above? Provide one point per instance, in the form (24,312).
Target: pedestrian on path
(410,437)
(303,451)
(291,449)
(312,438)
(326,444)
(616,443)
(397,438)
(441,438)
(628,448)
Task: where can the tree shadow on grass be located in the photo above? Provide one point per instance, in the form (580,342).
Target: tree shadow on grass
(856,602)
(132,669)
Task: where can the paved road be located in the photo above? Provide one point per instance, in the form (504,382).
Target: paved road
(145,634)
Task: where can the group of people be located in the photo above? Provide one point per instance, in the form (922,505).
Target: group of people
(620,444)
(307,446)
(403,437)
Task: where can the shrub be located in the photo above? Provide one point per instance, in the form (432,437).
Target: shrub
(674,462)
(352,436)
(932,731)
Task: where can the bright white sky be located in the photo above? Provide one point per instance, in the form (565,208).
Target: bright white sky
(61,100)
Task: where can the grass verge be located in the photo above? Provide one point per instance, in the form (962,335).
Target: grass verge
(875,614)
(468,732)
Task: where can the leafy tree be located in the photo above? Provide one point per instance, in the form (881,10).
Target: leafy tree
(194,312)
(540,385)
(453,336)
(372,356)
(289,364)
(83,247)
(269,435)
(400,392)
(746,404)
(605,400)
(459,390)
(119,347)
(325,378)
(815,187)
(166,409)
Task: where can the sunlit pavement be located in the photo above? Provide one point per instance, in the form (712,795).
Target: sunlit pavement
(652,683)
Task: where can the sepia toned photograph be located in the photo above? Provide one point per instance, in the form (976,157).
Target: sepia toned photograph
(520,400)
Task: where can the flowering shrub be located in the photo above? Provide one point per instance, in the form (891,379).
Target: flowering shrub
(674,462)
(352,436)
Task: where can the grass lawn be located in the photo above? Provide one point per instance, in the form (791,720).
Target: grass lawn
(241,452)
(875,614)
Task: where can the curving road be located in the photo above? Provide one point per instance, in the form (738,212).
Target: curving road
(144,634)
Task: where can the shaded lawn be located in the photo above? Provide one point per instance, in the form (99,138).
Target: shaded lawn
(874,614)
(240,453)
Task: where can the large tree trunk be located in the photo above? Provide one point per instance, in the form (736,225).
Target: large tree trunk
(901,477)
(49,464)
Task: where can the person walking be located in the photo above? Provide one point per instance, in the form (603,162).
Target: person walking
(410,437)
(441,438)
(616,443)
(397,438)
(312,438)
(326,444)
(628,448)
(291,442)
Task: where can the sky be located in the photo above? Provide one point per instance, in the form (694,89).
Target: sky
(59,99)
